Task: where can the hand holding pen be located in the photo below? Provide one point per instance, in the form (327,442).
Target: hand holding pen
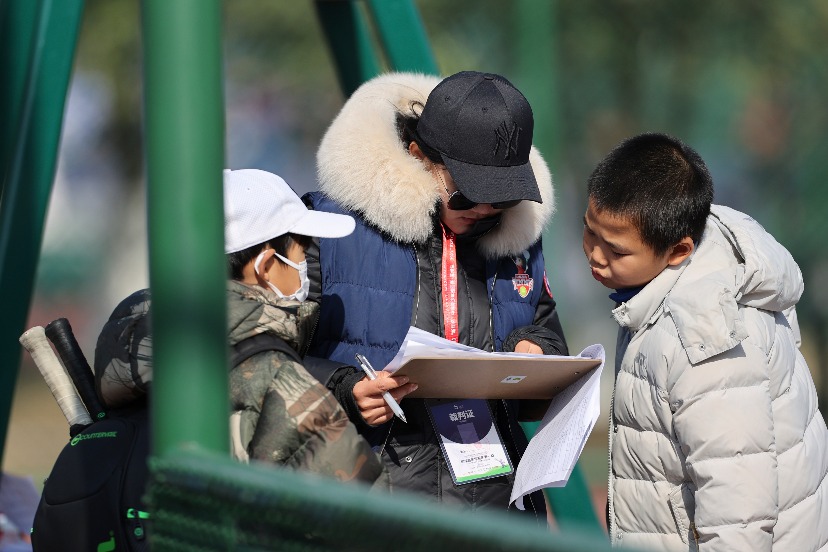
(377,396)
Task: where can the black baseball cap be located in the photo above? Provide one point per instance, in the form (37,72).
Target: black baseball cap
(482,127)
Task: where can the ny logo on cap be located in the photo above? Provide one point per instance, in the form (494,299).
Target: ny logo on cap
(509,139)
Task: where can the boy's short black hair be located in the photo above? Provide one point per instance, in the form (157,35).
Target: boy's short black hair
(660,184)
(238,260)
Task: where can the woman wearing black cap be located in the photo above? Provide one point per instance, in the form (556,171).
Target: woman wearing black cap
(450,200)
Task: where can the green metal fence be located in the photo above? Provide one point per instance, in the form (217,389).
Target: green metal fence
(203,501)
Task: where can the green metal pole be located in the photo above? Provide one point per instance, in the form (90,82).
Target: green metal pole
(17,27)
(403,36)
(185,159)
(349,42)
(539,76)
(30,170)
(537,68)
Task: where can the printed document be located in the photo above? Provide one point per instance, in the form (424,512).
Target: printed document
(553,451)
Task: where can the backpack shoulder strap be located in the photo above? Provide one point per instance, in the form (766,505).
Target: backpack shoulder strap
(258,343)
(325,371)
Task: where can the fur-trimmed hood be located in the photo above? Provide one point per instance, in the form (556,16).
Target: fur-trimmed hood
(363,165)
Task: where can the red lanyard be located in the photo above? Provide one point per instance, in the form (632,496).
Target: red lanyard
(449,278)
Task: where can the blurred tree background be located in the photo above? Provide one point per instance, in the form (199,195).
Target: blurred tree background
(741,81)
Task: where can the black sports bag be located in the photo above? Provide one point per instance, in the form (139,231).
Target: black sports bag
(93,498)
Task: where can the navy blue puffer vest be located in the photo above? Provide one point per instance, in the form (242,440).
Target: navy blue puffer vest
(368,292)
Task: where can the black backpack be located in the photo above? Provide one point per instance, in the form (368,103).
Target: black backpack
(93,498)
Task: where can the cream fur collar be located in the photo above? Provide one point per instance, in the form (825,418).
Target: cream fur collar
(363,166)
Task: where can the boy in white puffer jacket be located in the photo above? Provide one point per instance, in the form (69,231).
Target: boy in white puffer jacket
(716,442)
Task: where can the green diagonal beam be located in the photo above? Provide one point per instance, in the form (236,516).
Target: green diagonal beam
(349,41)
(29,169)
(17,27)
(403,36)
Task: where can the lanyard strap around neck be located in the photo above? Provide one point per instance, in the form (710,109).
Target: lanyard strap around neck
(449,280)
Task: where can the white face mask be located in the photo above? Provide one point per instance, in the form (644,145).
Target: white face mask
(304,283)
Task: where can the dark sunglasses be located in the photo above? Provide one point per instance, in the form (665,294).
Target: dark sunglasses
(458,202)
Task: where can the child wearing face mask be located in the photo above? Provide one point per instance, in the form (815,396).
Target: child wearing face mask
(267,228)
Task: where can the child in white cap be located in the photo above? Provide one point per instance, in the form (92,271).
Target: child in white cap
(267,229)
(281,413)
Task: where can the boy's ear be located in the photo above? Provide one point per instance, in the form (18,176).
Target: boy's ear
(680,251)
(265,264)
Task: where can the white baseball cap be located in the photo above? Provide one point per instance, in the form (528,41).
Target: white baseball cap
(259,205)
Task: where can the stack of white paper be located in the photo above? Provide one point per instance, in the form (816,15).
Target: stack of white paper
(553,451)
(419,343)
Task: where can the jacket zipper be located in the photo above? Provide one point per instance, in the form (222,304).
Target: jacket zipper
(309,340)
(419,283)
(491,311)
(137,526)
(610,506)
(503,401)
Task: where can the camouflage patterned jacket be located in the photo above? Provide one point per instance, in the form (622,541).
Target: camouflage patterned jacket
(280,413)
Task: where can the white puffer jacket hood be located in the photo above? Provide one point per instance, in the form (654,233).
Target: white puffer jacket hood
(363,166)
(750,268)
